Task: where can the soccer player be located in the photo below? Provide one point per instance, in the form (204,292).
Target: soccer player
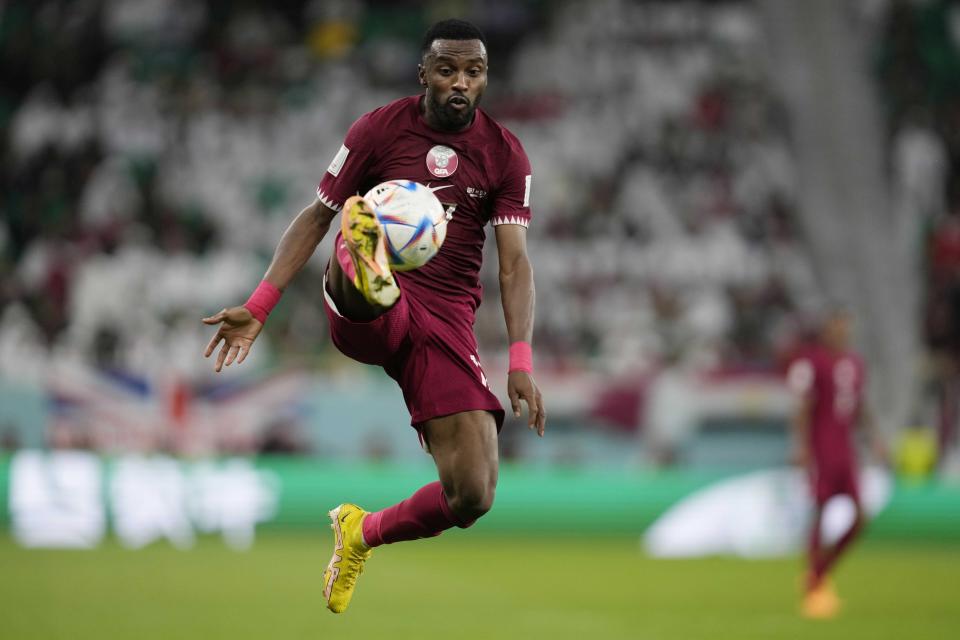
(418,325)
(829,382)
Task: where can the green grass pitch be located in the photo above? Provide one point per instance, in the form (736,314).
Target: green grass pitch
(465,586)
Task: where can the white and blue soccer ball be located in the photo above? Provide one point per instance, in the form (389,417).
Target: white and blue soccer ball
(413,220)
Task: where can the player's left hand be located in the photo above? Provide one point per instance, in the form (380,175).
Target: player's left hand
(520,386)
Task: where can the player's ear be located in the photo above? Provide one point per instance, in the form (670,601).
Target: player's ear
(421,75)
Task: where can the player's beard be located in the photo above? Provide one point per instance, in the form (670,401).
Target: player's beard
(448,118)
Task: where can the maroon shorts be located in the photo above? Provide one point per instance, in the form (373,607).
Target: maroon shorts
(435,362)
(834,477)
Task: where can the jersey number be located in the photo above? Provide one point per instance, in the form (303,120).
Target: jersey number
(483,377)
(844,388)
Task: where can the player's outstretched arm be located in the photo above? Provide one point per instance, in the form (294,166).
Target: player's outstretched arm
(800,382)
(800,427)
(240,326)
(298,243)
(517,296)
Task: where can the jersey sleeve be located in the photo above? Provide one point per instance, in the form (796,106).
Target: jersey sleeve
(349,166)
(800,377)
(512,201)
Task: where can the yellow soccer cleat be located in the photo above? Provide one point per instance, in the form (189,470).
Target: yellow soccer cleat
(349,556)
(364,239)
(821,603)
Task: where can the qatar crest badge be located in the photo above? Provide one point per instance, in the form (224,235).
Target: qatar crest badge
(442,161)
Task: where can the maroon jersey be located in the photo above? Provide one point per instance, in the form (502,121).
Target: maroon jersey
(833,384)
(481,175)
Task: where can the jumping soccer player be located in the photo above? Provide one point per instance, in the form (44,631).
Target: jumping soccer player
(418,325)
(829,382)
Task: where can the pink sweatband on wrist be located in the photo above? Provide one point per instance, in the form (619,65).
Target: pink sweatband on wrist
(262,301)
(521,357)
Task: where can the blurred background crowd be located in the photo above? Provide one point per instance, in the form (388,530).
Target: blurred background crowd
(153,151)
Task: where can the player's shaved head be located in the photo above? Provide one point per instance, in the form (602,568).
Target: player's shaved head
(452,29)
(455,50)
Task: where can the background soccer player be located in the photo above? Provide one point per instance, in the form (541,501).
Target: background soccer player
(829,380)
(418,325)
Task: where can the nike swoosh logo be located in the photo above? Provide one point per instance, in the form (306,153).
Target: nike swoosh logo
(435,189)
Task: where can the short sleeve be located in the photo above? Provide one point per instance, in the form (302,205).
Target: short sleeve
(349,166)
(512,202)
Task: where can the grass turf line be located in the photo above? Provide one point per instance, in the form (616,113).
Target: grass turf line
(465,586)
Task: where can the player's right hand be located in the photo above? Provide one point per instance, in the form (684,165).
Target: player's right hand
(520,386)
(238,329)
(881,454)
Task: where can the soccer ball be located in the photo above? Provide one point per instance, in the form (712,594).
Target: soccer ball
(413,221)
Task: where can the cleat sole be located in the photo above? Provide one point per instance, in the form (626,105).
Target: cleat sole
(364,239)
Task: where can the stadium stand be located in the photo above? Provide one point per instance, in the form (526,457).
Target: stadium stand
(152,155)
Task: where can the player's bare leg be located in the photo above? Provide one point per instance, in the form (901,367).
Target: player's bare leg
(464,448)
(830,556)
(359,278)
(821,600)
(814,550)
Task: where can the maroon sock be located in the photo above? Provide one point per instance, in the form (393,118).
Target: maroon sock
(423,515)
(343,257)
(815,553)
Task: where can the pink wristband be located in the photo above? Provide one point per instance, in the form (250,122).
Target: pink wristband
(521,357)
(262,301)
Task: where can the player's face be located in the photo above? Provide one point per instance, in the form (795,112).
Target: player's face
(837,331)
(455,75)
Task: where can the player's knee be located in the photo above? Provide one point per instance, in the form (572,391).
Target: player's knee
(472,500)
